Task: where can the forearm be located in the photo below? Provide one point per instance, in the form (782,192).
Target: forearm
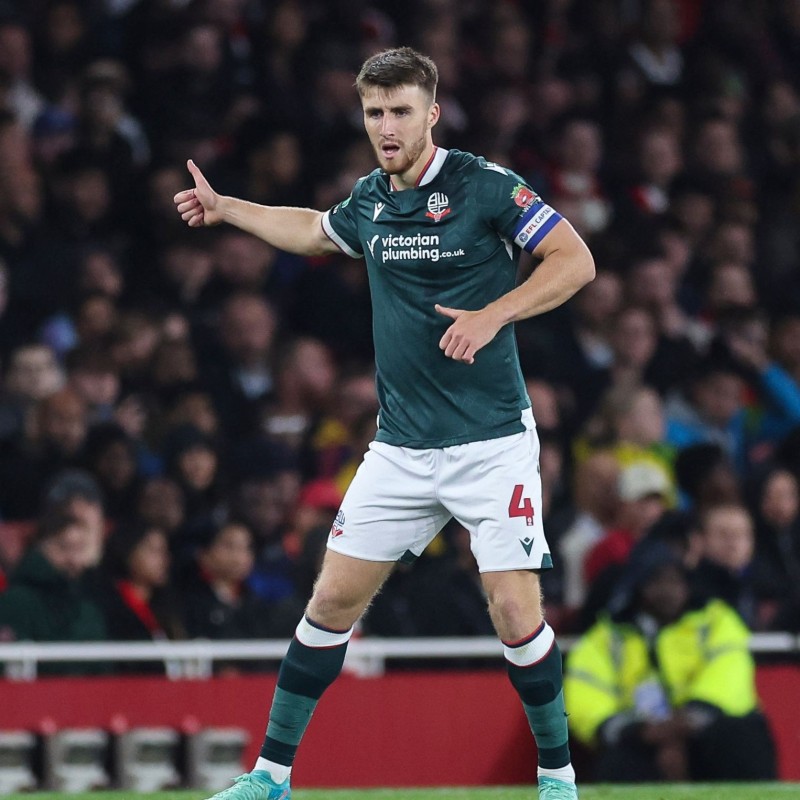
(295,230)
(553,282)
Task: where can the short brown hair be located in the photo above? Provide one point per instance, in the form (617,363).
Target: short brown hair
(400,66)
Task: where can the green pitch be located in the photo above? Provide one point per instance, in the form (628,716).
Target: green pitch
(730,791)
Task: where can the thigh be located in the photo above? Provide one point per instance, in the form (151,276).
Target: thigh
(390,511)
(344,589)
(494,490)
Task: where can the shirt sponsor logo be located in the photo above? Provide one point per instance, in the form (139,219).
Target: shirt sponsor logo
(418,247)
(438,206)
(523,196)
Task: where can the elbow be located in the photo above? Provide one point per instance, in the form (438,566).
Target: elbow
(584,269)
(589,270)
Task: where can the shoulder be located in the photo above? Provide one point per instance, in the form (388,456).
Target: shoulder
(367,182)
(478,166)
(500,186)
(719,612)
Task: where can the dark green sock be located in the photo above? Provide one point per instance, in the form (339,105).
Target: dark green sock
(539,685)
(305,673)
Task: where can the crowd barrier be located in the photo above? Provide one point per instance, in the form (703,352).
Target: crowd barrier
(408,727)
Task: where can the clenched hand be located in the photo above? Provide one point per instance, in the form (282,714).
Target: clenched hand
(198,206)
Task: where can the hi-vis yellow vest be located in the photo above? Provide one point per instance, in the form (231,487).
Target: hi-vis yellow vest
(702,656)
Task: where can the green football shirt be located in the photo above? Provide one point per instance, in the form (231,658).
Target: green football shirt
(453,239)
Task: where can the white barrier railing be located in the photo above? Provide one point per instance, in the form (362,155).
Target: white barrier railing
(195,659)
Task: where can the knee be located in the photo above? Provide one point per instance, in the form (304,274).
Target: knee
(514,617)
(333,607)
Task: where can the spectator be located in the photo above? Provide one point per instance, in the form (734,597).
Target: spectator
(45,600)
(317,504)
(240,387)
(725,571)
(192,461)
(644,497)
(161,505)
(218,603)
(664,689)
(631,425)
(77,493)
(575,184)
(111,456)
(596,505)
(706,477)
(777,562)
(137,603)
(53,442)
(659,162)
(92,374)
(305,377)
(644,493)
(32,374)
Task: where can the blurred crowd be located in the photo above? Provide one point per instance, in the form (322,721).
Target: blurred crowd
(182,410)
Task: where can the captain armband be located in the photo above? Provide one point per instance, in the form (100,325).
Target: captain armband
(536,223)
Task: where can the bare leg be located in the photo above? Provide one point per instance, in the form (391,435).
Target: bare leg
(344,590)
(534,667)
(515,603)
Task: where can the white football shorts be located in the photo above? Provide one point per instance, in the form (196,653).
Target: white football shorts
(401,497)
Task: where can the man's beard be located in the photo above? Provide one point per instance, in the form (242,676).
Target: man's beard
(397,167)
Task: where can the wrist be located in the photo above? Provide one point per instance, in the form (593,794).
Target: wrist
(499,313)
(226,208)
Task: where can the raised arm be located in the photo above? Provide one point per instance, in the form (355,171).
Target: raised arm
(295,230)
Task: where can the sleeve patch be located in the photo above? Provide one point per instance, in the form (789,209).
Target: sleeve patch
(523,196)
(539,220)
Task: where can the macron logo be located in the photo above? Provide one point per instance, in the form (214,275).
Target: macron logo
(377,212)
(371,244)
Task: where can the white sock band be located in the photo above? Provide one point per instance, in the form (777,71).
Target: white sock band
(312,636)
(533,650)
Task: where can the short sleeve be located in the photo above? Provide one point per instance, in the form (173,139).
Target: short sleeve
(340,224)
(516,212)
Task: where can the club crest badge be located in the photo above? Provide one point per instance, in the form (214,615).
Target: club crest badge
(438,206)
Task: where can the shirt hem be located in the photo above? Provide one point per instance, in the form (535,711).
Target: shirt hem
(437,444)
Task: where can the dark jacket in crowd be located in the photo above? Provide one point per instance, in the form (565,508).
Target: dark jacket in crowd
(43,605)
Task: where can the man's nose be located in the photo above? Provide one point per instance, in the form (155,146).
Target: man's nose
(386,126)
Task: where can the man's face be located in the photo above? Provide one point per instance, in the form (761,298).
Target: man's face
(34,373)
(68,550)
(665,594)
(398,123)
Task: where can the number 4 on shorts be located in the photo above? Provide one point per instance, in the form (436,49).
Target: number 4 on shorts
(519,506)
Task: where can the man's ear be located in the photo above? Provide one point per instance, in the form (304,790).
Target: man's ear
(433,115)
